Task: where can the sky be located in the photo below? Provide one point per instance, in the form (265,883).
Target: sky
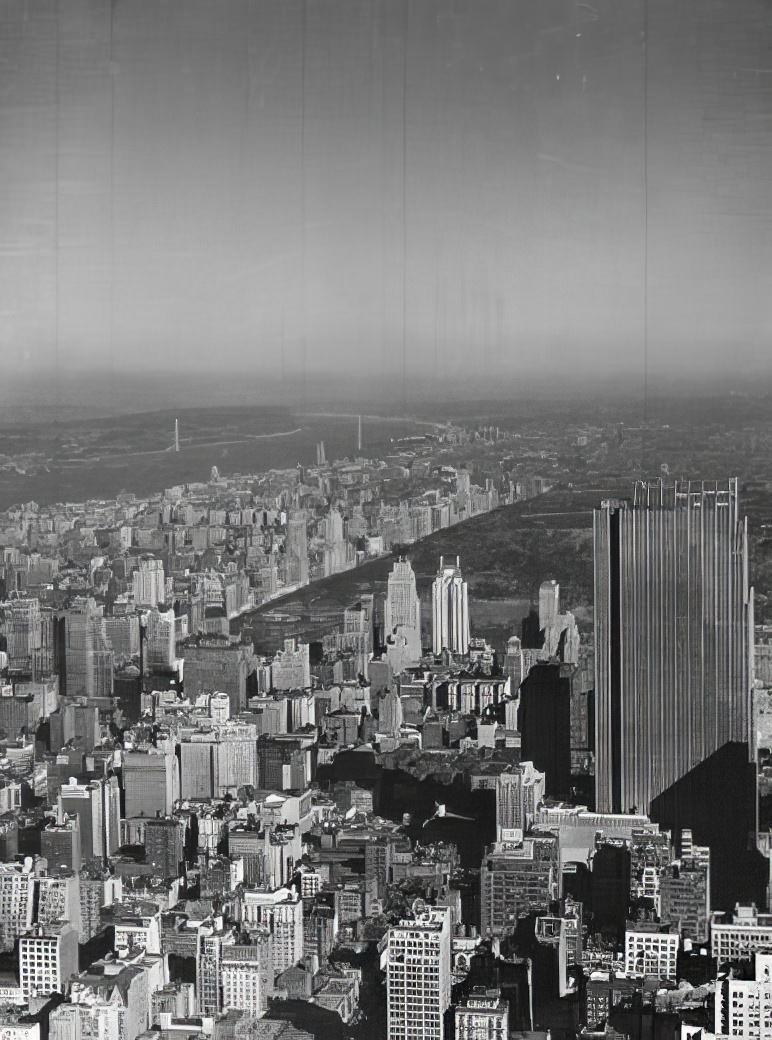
(388,188)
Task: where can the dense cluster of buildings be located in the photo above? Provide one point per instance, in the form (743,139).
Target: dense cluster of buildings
(197,837)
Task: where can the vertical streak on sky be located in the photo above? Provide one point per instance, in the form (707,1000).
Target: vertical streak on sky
(645,234)
(111,295)
(405,66)
(57,152)
(303,215)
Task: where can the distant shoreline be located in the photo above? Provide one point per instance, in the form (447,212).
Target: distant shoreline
(185,441)
(371,418)
(236,441)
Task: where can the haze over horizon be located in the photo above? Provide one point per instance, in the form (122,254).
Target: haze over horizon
(279,188)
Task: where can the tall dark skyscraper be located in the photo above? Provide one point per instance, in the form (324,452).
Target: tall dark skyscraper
(545,725)
(673,636)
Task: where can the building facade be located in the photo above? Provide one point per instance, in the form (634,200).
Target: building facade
(673,624)
(418,976)
(450,610)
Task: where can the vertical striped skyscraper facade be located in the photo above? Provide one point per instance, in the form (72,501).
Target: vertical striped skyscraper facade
(450,610)
(673,636)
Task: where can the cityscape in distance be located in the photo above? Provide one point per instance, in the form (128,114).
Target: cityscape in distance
(466,728)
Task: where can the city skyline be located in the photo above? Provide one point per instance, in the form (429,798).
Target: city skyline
(385,519)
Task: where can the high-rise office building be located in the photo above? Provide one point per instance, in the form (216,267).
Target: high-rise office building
(56,898)
(198,767)
(518,876)
(280,912)
(237,762)
(673,625)
(16,902)
(450,610)
(519,792)
(248,845)
(549,603)
(610,882)
(88,655)
(150,782)
(211,938)
(650,855)
(544,722)
(160,651)
(296,551)
(75,721)
(97,804)
(402,614)
(212,663)
(22,626)
(282,763)
(561,640)
(98,888)
(335,546)
(685,891)
(418,976)
(514,665)
(9,837)
(247,975)
(122,633)
(48,956)
(149,582)
(291,667)
(60,844)
(164,845)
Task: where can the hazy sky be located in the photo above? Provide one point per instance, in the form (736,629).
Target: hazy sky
(206,181)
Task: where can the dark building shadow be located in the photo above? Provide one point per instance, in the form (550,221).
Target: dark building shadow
(717,800)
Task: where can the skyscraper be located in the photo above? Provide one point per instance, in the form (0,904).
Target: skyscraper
(149,582)
(281,913)
(160,645)
(519,792)
(296,551)
(685,891)
(518,876)
(544,722)
(215,664)
(247,974)
(47,959)
(335,547)
(673,625)
(150,782)
(23,633)
(211,938)
(418,978)
(97,804)
(402,613)
(549,603)
(60,844)
(450,610)
(291,667)
(164,845)
(88,656)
